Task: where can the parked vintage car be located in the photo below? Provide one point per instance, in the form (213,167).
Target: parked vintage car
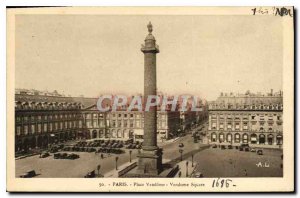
(72,156)
(214,146)
(28,174)
(230,147)
(223,147)
(247,149)
(90,174)
(57,156)
(44,155)
(198,175)
(259,152)
(54,150)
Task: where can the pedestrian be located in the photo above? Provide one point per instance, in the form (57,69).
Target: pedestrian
(245,173)
(179,174)
(101,155)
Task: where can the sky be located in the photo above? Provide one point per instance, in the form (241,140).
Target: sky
(200,55)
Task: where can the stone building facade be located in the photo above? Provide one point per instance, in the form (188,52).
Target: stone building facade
(40,124)
(125,125)
(253,119)
(42,120)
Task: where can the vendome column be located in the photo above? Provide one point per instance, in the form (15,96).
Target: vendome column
(150,158)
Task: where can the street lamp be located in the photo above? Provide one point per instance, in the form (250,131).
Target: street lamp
(98,169)
(130,151)
(192,160)
(187,170)
(117,162)
(181,145)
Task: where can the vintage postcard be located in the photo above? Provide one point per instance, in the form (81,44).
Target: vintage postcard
(150,99)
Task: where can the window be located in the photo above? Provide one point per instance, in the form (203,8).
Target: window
(131,123)
(214,125)
(237,138)
(221,126)
(18,130)
(245,126)
(278,117)
(229,126)
(32,129)
(119,123)
(45,127)
(25,130)
(39,128)
(125,123)
(237,126)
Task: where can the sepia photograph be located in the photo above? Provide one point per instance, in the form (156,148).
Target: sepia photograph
(187,99)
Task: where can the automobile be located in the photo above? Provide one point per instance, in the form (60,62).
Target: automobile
(223,147)
(214,146)
(230,147)
(259,152)
(44,155)
(247,149)
(244,145)
(53,150)
(236,147)
(198,175)
(241,148)
(90,174)
(73,156)
(57,156)
(64,155)
(28,174)
(253,150)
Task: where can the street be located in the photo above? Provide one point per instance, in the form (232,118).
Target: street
(211,162)
(63,168)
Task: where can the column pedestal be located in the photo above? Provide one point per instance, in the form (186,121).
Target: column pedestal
(150,162)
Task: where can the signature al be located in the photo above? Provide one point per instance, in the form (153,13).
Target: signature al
(263,164)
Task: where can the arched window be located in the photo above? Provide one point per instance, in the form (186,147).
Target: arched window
(237,138)
(262,139)
(245,138)
(213,137)
(221,137)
